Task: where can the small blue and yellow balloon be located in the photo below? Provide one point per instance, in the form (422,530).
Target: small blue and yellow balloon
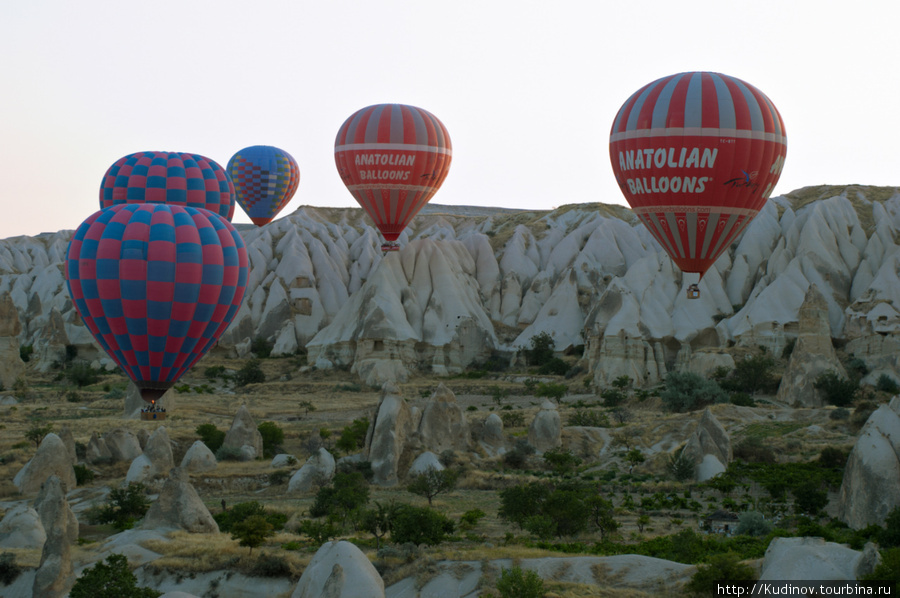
(265,179)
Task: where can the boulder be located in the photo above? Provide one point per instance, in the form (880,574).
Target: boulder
(50,346)
(65,434)
(11,364)
(424,462)
(283,460)
(156,460)
(812,356)
(55,576)
(244,433)
(8,401)
(318,470)
(198,458)
(811,559)
(122,444)
(443,425)
(491,438)
(710,438)
(339,570)
(51,458)
(97,451)
(708,468)
(386,440)
(134,403)
(871,485)
(545,430)
(21,528)
(180,507)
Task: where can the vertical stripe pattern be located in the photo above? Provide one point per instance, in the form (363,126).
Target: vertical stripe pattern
(697,155)
(393,159)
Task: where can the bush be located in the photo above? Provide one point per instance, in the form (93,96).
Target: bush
(229,453)
(272,437)
(833,457)
(251,373)
(252,531)
(541,351)
(37,431)
(470,518)
(420,525)
(588,418)
(110,579)
(515,583)
(889,537)
(25,352)
(363,467)
(349,492)
(752,375)
(353,437)
(83,475)
(279,477)
(551,390)
(887,384)
(836,390)
(9,570)
(753,450)
(124,506)
(245,510)
(839,414)
(561,461)
(721,567)
(211,436)
(753,523)
(686,391)
(512,419)
(518,456)
(271,565)
(319,531)
(82,374)
(261,348)
(554,367)
(680,466)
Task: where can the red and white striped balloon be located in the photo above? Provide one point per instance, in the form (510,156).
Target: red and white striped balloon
(392,158)
(697,155)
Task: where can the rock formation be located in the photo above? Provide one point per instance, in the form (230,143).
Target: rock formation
(180,507)
(155,461)
(424,462)
(65,434)
(545,430)
(443,425)
(97,451)
(491,437)
(318,470)
(871,485)
(812,559)
(198,458)
(813,353)
(339,570)
(244,433)
(122,444)
(709,447)
(55,576)
(21,527)
(386,440)
(51,458)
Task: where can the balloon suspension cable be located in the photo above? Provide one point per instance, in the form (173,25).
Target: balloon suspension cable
(390,246)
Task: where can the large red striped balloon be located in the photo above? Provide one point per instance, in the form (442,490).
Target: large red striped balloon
(393,158)
(697,155)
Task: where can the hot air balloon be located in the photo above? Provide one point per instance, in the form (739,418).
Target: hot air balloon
(393,159)
(174,178)
(265,179)
(156,285)
(697,155)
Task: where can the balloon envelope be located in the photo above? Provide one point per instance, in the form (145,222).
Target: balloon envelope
(697,155)
(392,158)
(174,178)
(265,179)
(156,285)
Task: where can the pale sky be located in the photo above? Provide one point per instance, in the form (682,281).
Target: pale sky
(527,90)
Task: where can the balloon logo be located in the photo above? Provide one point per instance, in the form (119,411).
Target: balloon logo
(156,285)
(697,155)
(265,179)
(393,159)
(174,178)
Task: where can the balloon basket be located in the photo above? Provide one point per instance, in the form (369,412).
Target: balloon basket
(693,292)
(390,247)
(152,415)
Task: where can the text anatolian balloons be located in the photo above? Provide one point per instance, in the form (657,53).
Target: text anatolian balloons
(174,178)
(156,285)
(392,158)
(265,179)
(697,155)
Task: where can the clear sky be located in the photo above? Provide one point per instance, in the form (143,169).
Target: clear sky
(528,90)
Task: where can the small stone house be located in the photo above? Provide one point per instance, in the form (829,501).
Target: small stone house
(721,522)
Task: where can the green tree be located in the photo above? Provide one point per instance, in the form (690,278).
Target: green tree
(347,493)
(251,373)
(353,437)
(110,579)
(37,431)
(515,583)
(432,482)
(634,457)
(602,515)
(211,436)
(272,437)
(809,497)
(889,537)
(252,531)
(124,506)
(561,461)
(888,569)
(680,466)
(721,567)
(378,521)
(551,390)
(319,531)
(752,374)
(517,503)
(835,389)
(244,510)
(420,525)
(541,351)
(753,523)
(686,391)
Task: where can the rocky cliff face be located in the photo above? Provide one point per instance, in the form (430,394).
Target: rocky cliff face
(465,286)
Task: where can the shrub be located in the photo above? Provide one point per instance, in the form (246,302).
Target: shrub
(110,579)
(353,437)
(518,456)
(515,583)
(551,390)
(25,352)
(561,461)
(686,391)
(215,371)
(588,418)
(889,537)
(319,531)
(753,450)
(272,437)
(554,367)
(888,569)
(470,518)
(229,453)
(363,467)
(82,374)
(887,384)
(83,475)
(245,510)
(420,525)
(839,414)
(753,523)
(9,570)
(211,436)
(261,347)
(832,457)
(721,567)
(836,390)
(612,397)
(124,506)
(252,531)
(433,482)
(809,497)
(251,373)
(752,374)
(680,466)
(348,492)
(271,565)
(512,419)
(541,351)
(279,477)
(37,431)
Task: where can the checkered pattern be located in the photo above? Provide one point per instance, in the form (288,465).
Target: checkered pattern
(156,285)
(265,179)
(172,178)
